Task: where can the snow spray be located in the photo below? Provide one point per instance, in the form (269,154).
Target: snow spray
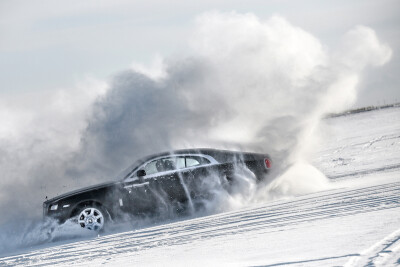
(246,83)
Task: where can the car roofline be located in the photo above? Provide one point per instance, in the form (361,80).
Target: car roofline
(214,153)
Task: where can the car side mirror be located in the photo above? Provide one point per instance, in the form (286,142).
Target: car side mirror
(141,173)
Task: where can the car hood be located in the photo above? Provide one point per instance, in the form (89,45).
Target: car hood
(81,190)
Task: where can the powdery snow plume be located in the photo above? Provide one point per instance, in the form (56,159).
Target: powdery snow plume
(248,84)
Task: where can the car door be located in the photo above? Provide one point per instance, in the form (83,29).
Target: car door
(137,195)
(196,175)
(169,180)
(165,178)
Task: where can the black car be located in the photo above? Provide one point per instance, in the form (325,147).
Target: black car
(171,178)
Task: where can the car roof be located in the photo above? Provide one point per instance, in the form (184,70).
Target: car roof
(218,154)
(204,151)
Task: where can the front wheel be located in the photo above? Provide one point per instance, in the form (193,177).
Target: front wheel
(92,218)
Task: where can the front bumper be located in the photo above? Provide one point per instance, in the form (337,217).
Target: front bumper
(61,214)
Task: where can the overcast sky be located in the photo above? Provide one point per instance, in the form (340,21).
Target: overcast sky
(47,45)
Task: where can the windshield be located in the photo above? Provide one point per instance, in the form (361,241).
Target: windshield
(126,172)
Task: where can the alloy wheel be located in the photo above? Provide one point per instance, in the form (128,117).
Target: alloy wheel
(91,218)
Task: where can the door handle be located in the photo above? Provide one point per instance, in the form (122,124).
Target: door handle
(136,185)
(140,185)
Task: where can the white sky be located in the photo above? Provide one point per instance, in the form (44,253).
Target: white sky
(47,44)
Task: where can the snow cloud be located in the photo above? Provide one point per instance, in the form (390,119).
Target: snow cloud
(250,84)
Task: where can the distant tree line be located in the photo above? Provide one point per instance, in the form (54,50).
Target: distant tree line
(363,109)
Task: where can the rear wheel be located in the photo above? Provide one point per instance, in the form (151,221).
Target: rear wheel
(92,218)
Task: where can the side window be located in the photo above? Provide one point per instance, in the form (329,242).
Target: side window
(192,161)
(164,164)
(150,167)
(180,162)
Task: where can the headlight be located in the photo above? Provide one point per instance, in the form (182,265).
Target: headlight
(54,207)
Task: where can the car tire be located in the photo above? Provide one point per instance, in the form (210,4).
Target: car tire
(92,217)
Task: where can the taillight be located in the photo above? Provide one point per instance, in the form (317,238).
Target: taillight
(267,163)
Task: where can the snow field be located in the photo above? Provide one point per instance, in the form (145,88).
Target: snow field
(355,222)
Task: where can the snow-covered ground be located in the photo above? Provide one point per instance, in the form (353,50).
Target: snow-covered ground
(353,222)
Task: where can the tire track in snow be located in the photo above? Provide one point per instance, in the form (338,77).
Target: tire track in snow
(267,217)
(385,252)
(365,172)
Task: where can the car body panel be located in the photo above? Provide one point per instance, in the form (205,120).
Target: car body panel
(140,195)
